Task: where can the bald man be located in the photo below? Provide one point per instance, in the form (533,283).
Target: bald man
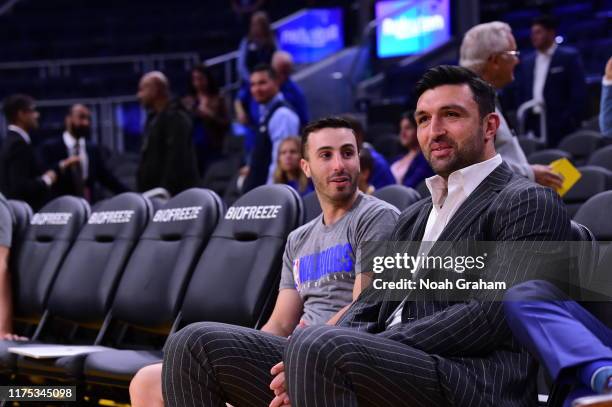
(167,155)
(89,172)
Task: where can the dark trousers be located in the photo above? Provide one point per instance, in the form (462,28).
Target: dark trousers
(207,364)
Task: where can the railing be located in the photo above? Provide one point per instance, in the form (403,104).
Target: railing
(141,63)
(521,114)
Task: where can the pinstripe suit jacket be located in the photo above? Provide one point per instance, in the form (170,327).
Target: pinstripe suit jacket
(479,362)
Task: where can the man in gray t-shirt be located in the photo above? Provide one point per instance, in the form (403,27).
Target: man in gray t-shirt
(6,232)
(321,261)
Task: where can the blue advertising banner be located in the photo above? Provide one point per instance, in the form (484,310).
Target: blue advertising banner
(311,35)
(411,26)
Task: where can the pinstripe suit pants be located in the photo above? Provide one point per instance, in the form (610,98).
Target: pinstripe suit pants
(207,364)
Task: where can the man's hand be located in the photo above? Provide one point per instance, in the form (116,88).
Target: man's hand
(278,386)
(72,160)
(544,176)
(608,73)
(51,176)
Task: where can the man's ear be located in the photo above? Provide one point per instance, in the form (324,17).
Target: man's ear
(305,167)
(490,126)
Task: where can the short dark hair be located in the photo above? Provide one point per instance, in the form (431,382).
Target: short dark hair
(331,122)
(265,68)
(482,92)
(409,115)
(547,21)
(14,104)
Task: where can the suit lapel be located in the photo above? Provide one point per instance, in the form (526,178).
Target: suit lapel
(477,202)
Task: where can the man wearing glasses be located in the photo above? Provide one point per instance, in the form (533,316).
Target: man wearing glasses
(489,50)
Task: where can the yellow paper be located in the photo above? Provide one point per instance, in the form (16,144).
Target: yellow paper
(570,174)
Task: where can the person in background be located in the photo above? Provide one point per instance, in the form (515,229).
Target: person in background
(168,159)
(85,177)
(282,63)
(288,170)
(366,163)
(381,173)
(22,175)
(411,168)
(257,47)
(211,121)
(489,50)
(277,121)
(605,110)
(554,75)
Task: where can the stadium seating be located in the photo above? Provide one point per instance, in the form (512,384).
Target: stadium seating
(311,206)
(593,181)
(547,156)
(581,144)
(595,215)
(153,284)
(530,145)
(602,158)
(398,195)
(48,238)
(235,280)
(86,283)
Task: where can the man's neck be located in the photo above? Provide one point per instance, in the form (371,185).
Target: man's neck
(546,48)
(160,105)
(334,211)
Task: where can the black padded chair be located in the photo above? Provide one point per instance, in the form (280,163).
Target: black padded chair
(398,195)
(602,158)
(595,215)
(236,278)
(581,144)
(547,156)
(86,283)
(153,285)
(49,235)
(593,181)
(312,207)
(530,146)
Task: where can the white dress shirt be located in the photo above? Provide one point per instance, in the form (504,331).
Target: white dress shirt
(70,142)
(447,197)
(542,63)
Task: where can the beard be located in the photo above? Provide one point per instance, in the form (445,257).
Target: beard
(81,131)
(335,193)
(468,154)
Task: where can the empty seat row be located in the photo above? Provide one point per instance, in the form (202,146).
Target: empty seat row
(106,277)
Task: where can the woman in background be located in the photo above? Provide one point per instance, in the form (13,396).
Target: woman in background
(288,170)
(257,47)
(210,117)
(411,168)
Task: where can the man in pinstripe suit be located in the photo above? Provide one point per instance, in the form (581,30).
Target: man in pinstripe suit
(415,352)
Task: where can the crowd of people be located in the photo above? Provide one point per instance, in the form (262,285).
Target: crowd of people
(332,335)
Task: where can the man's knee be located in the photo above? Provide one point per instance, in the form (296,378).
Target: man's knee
(192,334)
(323,342)
(145,386)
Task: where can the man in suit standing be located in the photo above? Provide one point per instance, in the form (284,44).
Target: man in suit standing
(414,352)
(489,50)
(23,176)
(168,156)
(554,75)
(84,177)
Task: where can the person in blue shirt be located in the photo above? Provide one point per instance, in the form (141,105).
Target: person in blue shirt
(605,110)
(411,168)
(247,108)
(288,170)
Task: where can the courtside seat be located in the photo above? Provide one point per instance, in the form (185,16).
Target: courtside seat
(593,181)
(48,237)
(22,214)
(152,287)
(236,278)
(581,144)
(545,157)
(398,195)
(312,207)
(86,283)
(595,214)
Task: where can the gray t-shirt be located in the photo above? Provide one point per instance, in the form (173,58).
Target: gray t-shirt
(321,261)
(6,222)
